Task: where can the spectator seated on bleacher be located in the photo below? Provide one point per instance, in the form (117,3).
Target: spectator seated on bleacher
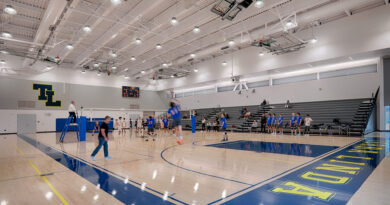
(287,105)
(254,126)
(247,115)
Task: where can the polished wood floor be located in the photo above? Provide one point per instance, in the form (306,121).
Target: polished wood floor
(185,174)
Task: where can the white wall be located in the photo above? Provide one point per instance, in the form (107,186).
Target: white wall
(46,119)
(347,87)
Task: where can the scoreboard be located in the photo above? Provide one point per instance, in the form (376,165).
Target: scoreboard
(130,92)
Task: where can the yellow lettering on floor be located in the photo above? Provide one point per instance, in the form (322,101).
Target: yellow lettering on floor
(325,178)
(299,189)
(363,151)
(353,157)
(368,148)
(346,162)
(338,168)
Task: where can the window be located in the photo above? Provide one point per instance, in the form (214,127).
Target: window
(294,79)
(349,71)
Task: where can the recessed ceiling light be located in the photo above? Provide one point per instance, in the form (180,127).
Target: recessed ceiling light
(164,65)
(116,2)
(259,3)
(143,72)
(192,55)
(231,43)
(126,69)
(138,41)
(172,76)
(195,70)
(49,67)
(289,23)
(31,49)
(158,46)
(224,63)
(113,67)
(83,71)
(10,10)
(2,62)
(196,29)
(132,58)
(6,35)
(174,21)
(314,40)
(126,77)
(98,74)
(261,54)
(96,65)
(4,52)
(69,46)
(87,29)
(114,55)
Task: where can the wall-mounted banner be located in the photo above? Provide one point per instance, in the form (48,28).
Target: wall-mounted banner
(46,93)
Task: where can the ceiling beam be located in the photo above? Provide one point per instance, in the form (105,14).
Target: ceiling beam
(24,6)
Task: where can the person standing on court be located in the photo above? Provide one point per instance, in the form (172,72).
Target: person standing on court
(103,139)
(263,122)
(174,111)
(224,126)
(72,111)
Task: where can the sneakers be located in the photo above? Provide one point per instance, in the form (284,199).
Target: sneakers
(108,158)
(93,158)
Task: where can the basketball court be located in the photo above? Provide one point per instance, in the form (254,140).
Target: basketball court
(146,102)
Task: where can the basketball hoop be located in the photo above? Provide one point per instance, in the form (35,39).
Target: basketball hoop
(172,91)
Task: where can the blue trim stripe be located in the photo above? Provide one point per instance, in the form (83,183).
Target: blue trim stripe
(333,179)
(108,181)
(218,177)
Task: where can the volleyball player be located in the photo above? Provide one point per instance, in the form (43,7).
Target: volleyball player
(293,124)
(280,123)
(299,123)
(150,121)
(224,126)
(174,111)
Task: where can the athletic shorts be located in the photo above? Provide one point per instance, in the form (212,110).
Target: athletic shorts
(176,122)
(294,126)
(307,128)
(166,126)
(280,126)
(224,129)
(150,129)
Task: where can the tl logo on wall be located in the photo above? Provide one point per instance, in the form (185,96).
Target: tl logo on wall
(46,93)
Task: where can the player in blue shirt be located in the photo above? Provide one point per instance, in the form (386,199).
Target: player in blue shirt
(280,124)
(274,123)
(166,124)
(193,125)
(293,124)
(174,111)
(150,123)
(299,123)
(224,126)
(269,123)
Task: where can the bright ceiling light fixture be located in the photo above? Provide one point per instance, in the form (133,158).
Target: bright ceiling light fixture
(87,29)
(114,67)
(158,46)
(49,67)
(127,77)
(259,3)
(116,2)
(143,72)
(96,65)
(196,29)
(314,40)
(172,76)
(132,58)
(69,46)
(174,21)
(164,65)
(113,54)
(2,62)
(4,52)
(138,41)
(289,23)
(196,70)
(261,54)
(6,35)
(231,43)
(10,10)
(192,55)
(83,71)
(224,63)
(98,74)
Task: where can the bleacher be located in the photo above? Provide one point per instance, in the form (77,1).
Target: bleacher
(344,117)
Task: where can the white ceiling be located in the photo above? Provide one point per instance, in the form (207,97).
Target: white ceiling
(115,28)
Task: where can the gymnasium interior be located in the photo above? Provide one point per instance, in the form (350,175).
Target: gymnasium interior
(198,102)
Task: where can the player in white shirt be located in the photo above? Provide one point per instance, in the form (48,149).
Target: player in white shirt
(308,122)
(72,111)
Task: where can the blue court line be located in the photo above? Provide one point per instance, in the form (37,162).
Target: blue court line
(218,177)
(126,193)
(299,166)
